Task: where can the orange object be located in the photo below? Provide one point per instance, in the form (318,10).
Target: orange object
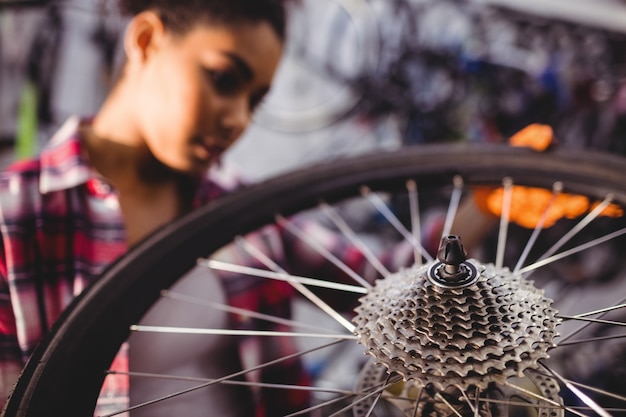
(529,204)
(536,136)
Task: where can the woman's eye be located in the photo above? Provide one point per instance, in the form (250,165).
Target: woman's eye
(225,82)
(256,100)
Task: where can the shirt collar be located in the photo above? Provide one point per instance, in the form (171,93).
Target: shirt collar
(63,164)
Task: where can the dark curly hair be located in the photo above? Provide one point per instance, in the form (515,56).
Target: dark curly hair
(181,15)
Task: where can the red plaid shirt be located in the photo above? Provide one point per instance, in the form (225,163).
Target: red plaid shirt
(61,226)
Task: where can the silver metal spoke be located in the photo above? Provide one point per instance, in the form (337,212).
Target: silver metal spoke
(377,399)
(331,402)
(590,320)
(592,215)
(518,403)
(598,391)
(556,190)
(394,221)
(466,397)
(282,221)
(341,224)
(222,379)
(579,394)
(280,276)
(416,228)
(230,332)
(453,206)
(542,398)
(477,404)
(450,406)
(586,325)
(231,382)
(603,310)
(239,311)
(546,406)
(507,183)
(378,391)
(572,251)
(591,340)
(417,402)
(320,406)
(265,260)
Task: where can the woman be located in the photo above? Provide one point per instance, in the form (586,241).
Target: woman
(194,73)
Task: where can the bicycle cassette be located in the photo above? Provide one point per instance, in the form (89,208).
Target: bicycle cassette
(450,337)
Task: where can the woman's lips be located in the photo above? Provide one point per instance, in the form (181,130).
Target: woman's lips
(207,148)
(209,151)
(214,149)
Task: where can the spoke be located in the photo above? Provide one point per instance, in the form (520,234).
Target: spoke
(222,379)
(443,400)
(379,394)
(416,227)
(556,190)
(542,398)
(239,311)
(319,406)
(321,250)
(230,332)
(572,251)
(592,215)
(578,393)
(584,326)
(598,391)
(393,220)
(341,224)
(504,220)
(546,406)
(280,276)
(378,391)
(466,397)
(455,199)
(604,310)
(330,402)
(590,320)
(417,402)
(230,382)
(265,260)
(592,339)
(477,404)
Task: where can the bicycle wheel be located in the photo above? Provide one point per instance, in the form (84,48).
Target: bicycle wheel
(65,374)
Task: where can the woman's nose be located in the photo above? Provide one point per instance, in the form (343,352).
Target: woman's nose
(236,117)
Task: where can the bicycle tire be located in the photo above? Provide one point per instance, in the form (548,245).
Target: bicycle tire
(64,374)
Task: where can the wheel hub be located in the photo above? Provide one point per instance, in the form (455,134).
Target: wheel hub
(398,400)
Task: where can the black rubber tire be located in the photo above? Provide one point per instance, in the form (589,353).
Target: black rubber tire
(65,373)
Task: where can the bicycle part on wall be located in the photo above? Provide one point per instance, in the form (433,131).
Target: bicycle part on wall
(329,41)
(460,336)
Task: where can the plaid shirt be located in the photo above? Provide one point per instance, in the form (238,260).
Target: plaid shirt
(61,226)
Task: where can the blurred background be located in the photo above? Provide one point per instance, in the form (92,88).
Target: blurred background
(358,75)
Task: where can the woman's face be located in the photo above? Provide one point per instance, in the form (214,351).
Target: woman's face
(196,92)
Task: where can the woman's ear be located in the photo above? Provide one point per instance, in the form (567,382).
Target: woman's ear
(144,34)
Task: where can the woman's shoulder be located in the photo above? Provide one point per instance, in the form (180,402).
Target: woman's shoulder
(31,166)
(20,175)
